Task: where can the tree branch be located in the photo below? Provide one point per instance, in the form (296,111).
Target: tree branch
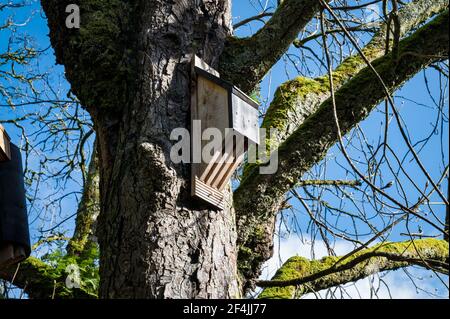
(310,142)
(88,210)
(258,17)
(297,99)
(353,183)
(244,62)
(41,281)
(299,276)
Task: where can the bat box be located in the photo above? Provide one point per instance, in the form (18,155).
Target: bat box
(220,105)
(14,234)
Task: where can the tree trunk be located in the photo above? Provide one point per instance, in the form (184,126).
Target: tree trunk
(155,241)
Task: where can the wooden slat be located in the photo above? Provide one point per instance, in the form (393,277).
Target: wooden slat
(218,165)
(214,160)
(239,154)
(208,194)
(227,176)
(5,151)
(211,193)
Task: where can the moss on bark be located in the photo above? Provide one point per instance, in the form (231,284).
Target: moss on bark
(381,257)
(258,198)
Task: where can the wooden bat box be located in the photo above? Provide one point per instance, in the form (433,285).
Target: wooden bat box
(218,104)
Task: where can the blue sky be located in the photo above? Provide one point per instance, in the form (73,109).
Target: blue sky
(418,115)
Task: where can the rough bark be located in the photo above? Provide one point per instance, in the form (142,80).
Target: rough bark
(310,142)
(129,64)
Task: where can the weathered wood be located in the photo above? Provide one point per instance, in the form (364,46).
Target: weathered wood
(226,153)
(240,154)
(220,105)
(208,193)
(5,149)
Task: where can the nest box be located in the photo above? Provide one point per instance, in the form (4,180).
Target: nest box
(14,234)
(220,105)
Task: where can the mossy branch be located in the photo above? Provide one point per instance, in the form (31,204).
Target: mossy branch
(297,99)
(41,281)
(246,61)
(88,211)
(299,276)
(310,142)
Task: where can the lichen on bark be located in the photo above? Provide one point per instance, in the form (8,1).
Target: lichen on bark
(309,143)
(381,257)
(298,98)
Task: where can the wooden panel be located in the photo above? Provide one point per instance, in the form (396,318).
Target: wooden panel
(199,63)
(5,151)
(212,107)
(245,119)
(208,194)
(209,104)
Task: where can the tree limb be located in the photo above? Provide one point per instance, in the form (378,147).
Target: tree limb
(297,99)
(88,210)
(244,62)
(353,183)
(299,276)
(258,17)
(310,142)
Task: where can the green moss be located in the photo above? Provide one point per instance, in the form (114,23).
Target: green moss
(298,267)
(56,264)
(285,99)
(259,231)
(98,56)
(295,267)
